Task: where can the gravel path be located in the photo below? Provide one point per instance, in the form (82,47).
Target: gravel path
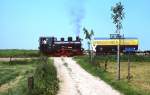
(8,59)
(76,81)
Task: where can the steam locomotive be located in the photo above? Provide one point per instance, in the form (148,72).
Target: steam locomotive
(52,47)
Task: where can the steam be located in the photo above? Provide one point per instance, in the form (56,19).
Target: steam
(77,13)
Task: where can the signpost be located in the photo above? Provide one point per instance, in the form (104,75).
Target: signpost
(129,50)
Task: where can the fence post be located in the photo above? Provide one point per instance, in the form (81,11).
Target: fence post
(129,75)
(106,61)
(30,83)
(10,60)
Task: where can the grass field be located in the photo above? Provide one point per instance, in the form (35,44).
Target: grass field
(140,72)
(14,77)
(18,53)
(11,71)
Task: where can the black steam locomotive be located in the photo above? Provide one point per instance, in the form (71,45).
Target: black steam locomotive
(52,47)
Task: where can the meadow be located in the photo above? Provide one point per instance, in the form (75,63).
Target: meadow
(14,77)
(139,84)
(18,53)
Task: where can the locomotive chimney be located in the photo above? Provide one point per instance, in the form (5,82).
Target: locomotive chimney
(77,38)
(62,39)
(69,38)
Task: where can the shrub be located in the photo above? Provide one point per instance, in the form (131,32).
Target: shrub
(45,80)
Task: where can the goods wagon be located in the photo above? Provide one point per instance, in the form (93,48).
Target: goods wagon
(109,45)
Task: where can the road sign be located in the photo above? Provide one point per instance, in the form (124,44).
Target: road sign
(130,49)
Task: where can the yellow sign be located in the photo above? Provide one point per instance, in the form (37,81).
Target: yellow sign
(115,42)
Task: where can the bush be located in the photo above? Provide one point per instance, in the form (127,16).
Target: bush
(45,80)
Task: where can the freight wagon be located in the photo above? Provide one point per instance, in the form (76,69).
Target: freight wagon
(109,45)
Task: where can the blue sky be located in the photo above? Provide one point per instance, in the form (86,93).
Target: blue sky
(22,22)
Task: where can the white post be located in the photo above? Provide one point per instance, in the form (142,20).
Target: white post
(118,58)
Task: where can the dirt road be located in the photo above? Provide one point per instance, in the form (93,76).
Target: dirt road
(8,59)
(76,81)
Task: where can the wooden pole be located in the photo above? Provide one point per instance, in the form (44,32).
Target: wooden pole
(128,67)
(10,61)
(118,58)
(105,65)
(30,83)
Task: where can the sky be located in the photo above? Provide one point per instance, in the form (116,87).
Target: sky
(22,22)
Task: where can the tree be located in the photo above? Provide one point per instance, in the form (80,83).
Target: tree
(88,36)
(117,17)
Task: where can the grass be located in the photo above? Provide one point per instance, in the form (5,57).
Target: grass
(45,75)
(11,71)
(8,75)
(18,53)
(124,58)
(138,85)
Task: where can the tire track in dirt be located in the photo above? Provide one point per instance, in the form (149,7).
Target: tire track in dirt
(76,81)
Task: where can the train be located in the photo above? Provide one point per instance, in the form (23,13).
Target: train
(104,46)
(51,46)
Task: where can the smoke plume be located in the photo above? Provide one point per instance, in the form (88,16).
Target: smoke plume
(77,13)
